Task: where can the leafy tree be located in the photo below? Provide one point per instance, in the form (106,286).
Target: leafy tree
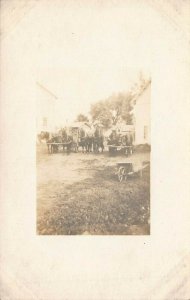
(100,112)
(113,109)
(82,118)
(118,106)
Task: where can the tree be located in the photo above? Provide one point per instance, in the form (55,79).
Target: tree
(100,112)
(82,118)
(118,106)
(113,109)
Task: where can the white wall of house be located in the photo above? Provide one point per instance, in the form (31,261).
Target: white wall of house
(142,118)
(45,106)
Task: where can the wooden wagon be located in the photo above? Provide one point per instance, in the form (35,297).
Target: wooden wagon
(54,146)
(121,140)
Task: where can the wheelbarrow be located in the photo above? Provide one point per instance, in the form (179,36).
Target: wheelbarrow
(130,169)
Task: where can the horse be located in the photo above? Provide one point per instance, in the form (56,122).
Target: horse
(54,148)
(89,140)
(85,140)
(43,136)
(98,141)
(63,133)
(74,135)
(68,143)
(82,139)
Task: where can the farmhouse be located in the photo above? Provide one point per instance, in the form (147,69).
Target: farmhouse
(46,103)
(141,116)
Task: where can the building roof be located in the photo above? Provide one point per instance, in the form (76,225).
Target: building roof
(12,12)
(134,101)
(46,90)
(141,92)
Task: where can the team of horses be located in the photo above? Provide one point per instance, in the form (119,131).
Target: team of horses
(91,140)
(86,140)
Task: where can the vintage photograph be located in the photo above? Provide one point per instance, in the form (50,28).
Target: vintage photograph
(93,162)
(93,100)
(95,153)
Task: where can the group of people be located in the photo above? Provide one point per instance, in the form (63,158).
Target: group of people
(118,139)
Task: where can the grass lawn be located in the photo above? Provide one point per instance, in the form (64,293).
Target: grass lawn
(95,202)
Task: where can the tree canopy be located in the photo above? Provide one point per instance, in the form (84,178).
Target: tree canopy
(82,118)
(117,107)
(113,109)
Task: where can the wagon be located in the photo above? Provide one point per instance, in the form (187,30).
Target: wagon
(121,140)
(54,146)
(128,150)
(129,169)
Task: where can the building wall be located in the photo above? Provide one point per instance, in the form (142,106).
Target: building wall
(45,106)
(142,118)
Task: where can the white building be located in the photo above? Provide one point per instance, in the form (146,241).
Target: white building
(45,107)
(141,113)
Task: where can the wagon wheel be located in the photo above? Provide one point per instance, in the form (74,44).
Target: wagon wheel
(122,174)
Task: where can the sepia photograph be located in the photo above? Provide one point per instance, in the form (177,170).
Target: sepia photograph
(93,161)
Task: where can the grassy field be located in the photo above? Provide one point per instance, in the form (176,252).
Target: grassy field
(80,194)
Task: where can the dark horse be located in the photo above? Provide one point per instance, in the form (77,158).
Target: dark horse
(85,141)
(89,141)
(82,140)
(98,141)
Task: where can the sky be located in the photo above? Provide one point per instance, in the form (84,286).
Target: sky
(88,52)
(85,50)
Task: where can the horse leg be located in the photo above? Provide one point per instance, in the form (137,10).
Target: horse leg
(97,148)
(91,143)
(94,147)
(68,149)
(87,147)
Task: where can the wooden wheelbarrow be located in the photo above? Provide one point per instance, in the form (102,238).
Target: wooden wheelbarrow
(128,169)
